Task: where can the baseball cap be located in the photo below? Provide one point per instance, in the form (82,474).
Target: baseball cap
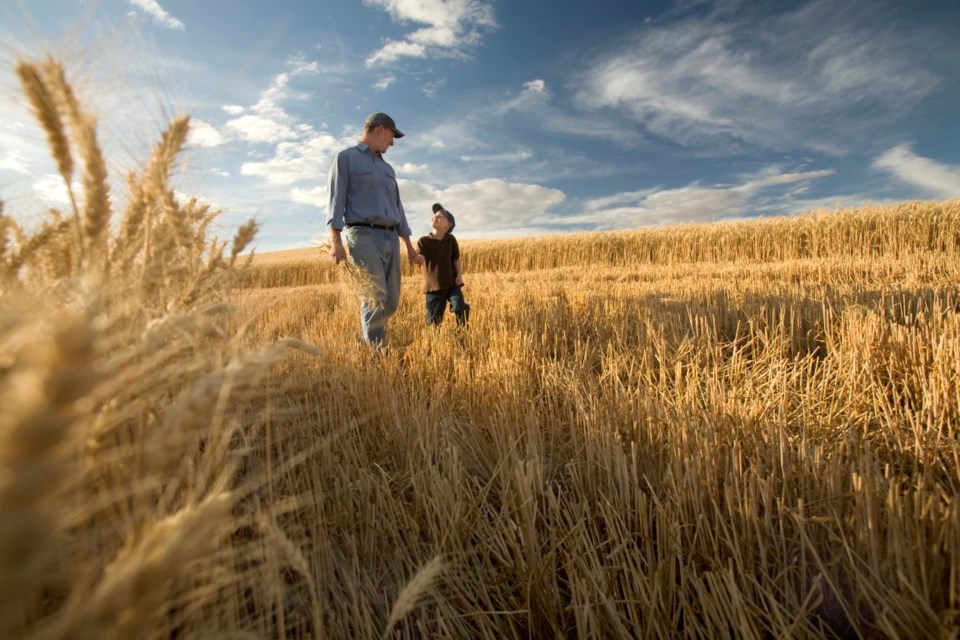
(380,118)
(439,207)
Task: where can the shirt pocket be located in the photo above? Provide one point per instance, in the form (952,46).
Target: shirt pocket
(364,179)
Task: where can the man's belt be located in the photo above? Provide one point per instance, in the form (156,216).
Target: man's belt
(385,227)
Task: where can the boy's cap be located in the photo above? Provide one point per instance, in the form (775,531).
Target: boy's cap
(376,119)
(439,207)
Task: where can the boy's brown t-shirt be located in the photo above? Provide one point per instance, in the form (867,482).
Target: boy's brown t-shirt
(439,255)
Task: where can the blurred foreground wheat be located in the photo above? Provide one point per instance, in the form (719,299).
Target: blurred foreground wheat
(744,430)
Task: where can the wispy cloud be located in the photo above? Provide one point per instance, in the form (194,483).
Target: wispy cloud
(14,161)
(153,10)
(453,26)
(432,88)
(383,83)
(776,81)
(535,101)
(493,207)
(484,207)
(508,157)
(693,203)
(939,179)
(533,96)
(267,120)
(305,159)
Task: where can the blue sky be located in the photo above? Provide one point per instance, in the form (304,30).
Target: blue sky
(523,117)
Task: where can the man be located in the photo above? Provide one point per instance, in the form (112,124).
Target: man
(365,210)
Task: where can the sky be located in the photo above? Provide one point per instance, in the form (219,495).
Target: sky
(522,117)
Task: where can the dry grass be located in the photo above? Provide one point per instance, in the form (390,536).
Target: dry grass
(744,429)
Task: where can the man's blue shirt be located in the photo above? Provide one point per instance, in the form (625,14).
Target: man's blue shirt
(363,188)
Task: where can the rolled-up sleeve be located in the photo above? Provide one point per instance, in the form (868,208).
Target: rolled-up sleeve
(403,229)
(339,183)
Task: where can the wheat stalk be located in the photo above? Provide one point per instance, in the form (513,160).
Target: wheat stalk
(354,277)
(242,239)
(133,587)
(40,408)
(47,112)
(416,587)
(83,126)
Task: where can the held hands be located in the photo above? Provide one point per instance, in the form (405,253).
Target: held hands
(416,259)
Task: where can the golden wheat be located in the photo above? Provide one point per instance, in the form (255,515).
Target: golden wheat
(746,428)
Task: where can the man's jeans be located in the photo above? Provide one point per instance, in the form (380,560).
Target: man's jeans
(377,252)
(437,306)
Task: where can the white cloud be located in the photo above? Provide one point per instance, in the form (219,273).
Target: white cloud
(384,82)
(296,161)
(393,51)
(774,178)
(692,203)
(267,120)
(534,95)
(431,89)
(452,26)
(300,66)
(510,156)
(410,168)
(14,161)
(776,81)
(51,190)
(483,207)
(535,102)
(156,13)
(184,198)
(315,197)
(939,179)
(203,134)
(260,129)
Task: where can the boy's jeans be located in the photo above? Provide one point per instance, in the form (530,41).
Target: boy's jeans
(437,305)
(377,252)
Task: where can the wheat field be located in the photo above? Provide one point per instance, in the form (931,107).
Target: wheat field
(743,430)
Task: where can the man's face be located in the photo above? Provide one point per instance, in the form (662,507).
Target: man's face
(381,139)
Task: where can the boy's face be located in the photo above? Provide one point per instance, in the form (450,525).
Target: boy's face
(439,222)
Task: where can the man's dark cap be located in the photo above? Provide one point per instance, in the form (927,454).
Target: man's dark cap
(374,120)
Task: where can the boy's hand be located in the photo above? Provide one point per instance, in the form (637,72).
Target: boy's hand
(417,259)
(459,281)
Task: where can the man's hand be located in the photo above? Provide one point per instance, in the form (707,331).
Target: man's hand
(417,260)
(337,252)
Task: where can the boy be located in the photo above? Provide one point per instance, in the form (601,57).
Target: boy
(444,275)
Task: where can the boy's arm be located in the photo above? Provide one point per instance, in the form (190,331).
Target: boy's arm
(415,257)
(459,268)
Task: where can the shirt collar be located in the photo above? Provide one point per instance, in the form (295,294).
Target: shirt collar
(366,149)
